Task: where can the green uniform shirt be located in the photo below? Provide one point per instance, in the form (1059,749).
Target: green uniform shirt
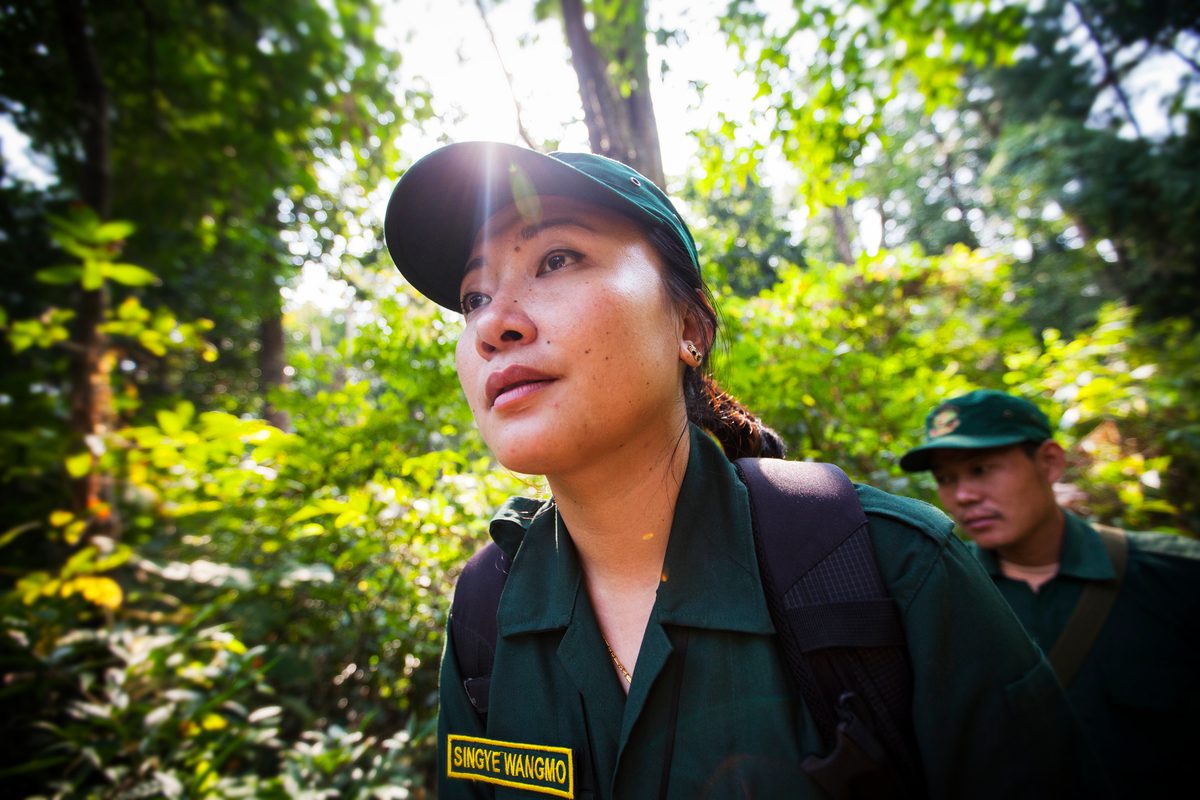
(1136,693)
(985,703)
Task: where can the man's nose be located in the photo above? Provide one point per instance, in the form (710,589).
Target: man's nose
(966,491)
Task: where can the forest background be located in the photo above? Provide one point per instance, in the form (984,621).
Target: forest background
(238,479)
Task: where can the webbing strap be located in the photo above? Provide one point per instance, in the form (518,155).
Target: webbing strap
(801,512)
(863,623)
(841,635)
(1091,612)
(473,621)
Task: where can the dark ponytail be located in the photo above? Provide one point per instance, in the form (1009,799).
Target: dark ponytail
(740,432)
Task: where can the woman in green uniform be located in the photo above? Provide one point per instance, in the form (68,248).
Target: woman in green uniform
(635,654)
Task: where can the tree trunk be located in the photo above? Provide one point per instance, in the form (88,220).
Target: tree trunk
(845,251)
(271,364)
(619,127)
(91,361)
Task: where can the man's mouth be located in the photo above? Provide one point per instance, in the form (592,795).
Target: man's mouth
(977,522)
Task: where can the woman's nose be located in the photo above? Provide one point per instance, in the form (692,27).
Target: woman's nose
(502,323)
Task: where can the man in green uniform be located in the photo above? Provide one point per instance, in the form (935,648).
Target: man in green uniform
(1116,612)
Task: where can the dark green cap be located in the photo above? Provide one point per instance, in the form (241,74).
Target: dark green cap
(975,421)
(442,201)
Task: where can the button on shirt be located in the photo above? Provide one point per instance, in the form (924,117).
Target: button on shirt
(1136,693)
(986,708)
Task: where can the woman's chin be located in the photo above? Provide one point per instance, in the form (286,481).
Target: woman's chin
(531,444)
(520,457)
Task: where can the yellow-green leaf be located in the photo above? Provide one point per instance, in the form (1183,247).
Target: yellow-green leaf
(130,274)
(214,722)
(113,231)
(97,589)
(170,422)
(13,533)
(93,275)
(79,464)
(69,273)
(74,532)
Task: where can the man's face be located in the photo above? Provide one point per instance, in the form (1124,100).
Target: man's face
(1003,497)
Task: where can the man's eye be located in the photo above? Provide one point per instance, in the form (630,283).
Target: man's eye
(473,300)
(559,259)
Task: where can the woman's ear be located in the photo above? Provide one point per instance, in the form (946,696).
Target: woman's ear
(697,327)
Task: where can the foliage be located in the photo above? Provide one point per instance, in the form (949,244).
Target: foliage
(269,621)
(1032,129)
(745,243)
(829,69)
(273,618)
(846,360)
(231,123)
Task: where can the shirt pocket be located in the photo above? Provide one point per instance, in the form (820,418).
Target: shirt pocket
(1036,694)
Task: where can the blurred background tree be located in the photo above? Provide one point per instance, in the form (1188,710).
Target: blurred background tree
(239,477)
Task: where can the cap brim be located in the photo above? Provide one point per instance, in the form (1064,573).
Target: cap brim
(919,458)
(442,201)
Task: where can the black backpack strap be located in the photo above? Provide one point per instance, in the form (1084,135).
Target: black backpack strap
(840,633)
(1087,620)
(473,621)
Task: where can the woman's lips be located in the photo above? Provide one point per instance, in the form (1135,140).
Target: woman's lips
(512,383)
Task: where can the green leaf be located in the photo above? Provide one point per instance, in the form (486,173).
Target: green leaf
(76,248)
(186,411)
(33,766)
(130,275)
(93,275)
(114,231)
(170,422)
(13,533)
(62,275)
(79,563)
(79,223)
(20,340)
(152,341)
(112,560)
(79,464)
(316,510)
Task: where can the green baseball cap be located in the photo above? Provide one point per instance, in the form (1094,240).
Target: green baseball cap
(975,421)
(442,201)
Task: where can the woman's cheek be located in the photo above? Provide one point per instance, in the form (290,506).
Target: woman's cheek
(463,351)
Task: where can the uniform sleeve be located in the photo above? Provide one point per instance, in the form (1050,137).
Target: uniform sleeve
(989,715)
(455,715)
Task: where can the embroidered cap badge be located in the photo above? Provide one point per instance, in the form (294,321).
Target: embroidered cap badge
(944,422)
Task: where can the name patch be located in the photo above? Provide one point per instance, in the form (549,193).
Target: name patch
(538,768)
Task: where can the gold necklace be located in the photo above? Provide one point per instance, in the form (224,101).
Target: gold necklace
(620,667)
(611,653)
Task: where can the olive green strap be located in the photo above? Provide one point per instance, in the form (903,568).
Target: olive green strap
(1091,611)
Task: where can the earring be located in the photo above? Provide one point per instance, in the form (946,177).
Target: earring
(697,356)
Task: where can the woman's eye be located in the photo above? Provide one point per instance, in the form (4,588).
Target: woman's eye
(559,259)
(473,300)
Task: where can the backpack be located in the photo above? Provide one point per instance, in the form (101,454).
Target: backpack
(840,634)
